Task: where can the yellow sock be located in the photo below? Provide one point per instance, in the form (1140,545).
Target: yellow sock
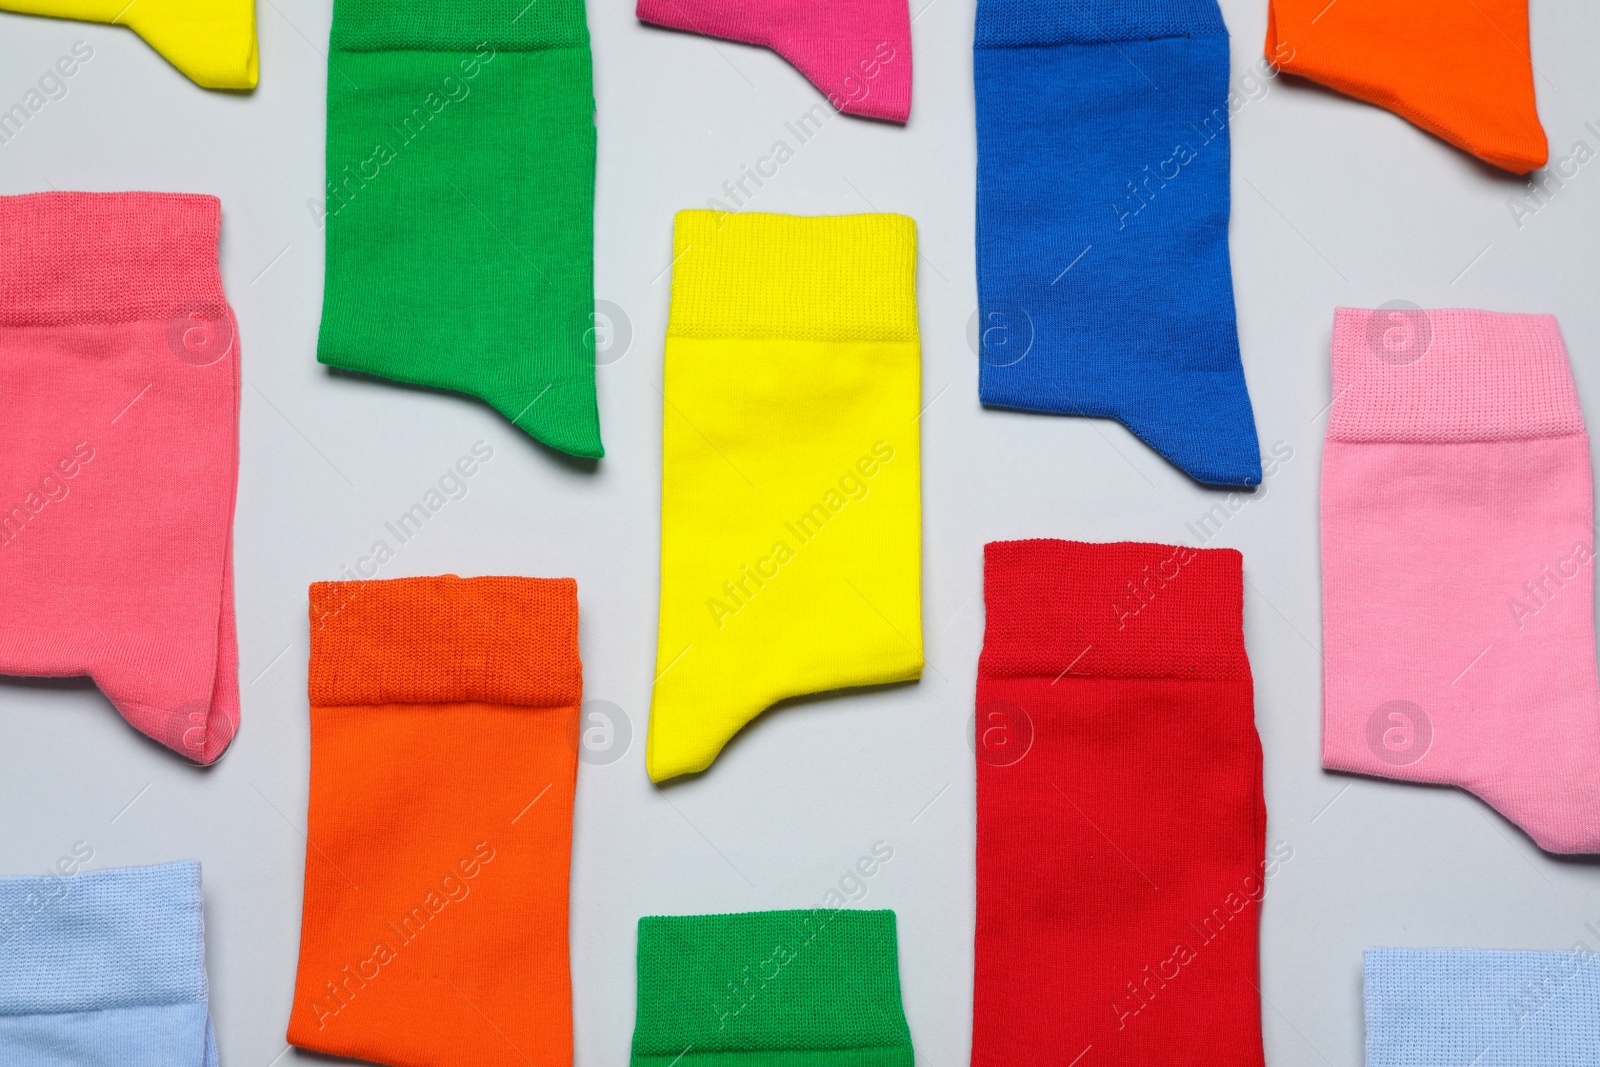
(212,41)
(791,500)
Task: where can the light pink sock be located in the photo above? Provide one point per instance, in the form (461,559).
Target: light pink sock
(119,436)
(858,52)
(1457,566)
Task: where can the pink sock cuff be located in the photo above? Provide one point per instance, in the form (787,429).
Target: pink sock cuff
(1406,374)
(104,258)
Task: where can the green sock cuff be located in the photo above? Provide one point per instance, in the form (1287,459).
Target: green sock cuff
(808,988)
(461,25)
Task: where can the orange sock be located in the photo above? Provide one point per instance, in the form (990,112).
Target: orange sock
(1460,70)
(444,719)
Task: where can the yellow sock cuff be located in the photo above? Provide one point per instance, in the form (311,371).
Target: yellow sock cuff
(213,42)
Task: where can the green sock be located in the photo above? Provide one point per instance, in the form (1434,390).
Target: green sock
(460,212)
(816,988)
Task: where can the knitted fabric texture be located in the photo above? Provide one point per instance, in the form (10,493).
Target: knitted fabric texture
(1104,282)
(1460,71)
(1458,566)
(1121,819)
(815,988)
(119,432)
(436,886)
(460,206)
(791,472)
(213,42)
(858,52)
(1444,1007)
(104,968)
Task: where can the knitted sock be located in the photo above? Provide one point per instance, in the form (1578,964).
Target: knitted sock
(444,717)
(121,362)
(858,52)
(104,968)
(1104,285)
(213,42)
(1444,1007)
(1460,71)
(1121,820)
(1457,566)
(817,988)
(460,213)
(791,472)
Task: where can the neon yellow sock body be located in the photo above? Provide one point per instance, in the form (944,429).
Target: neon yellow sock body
(791,498)
(211,41)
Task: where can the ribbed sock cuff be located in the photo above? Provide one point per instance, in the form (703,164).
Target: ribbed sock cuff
(1449,375)
(461,25)
(116,938)
(1028,23)
(1124,610)
(445,640)
(71,259)
(828,278)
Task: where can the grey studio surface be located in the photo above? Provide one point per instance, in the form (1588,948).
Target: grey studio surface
(1334,203)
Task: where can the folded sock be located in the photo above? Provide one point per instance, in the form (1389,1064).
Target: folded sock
(858,52)
(1104,284)
(444,719)
(1460,71)
(814,988)
(791,472)
(1457,566)
(460,210)
(1121,820)
(213,42)
(1447,1007)
(121,363)
(105,969)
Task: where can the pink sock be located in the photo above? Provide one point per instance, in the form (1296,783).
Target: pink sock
(1457,566)
(119,439)
(858,52)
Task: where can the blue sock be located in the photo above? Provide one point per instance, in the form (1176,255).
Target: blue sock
(1104,286)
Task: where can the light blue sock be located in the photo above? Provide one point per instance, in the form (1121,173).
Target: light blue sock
(105,969)
(1455,1007)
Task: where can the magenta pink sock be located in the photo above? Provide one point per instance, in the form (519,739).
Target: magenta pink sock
(119,435)
(1457,566)
(858,52)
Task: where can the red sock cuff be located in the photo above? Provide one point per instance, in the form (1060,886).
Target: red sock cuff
(1123,610)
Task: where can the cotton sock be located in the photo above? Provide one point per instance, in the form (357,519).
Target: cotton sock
(444,718)
(816,988)
(1104,285)
(1121,820)
(791,472)
(460,210)
(104,968)
(121,363)
(858,52)
(1457,566)
(1444,1007)
(213,42)
(1460,71)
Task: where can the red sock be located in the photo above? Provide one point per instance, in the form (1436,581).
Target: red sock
(1121,821)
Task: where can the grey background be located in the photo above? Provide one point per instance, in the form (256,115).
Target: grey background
(1335,203)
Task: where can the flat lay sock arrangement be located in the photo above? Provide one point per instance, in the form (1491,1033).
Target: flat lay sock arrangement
(444,717)
(1121,821)
(812,988)
(1104,282)
(460,206)
(1460,71)
(1444,1007)
(120,358)
(213,42)
(791,472)
(105,969)
(1458,566)
(858,52)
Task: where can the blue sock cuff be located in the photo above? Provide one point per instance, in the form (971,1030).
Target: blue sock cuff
(1027,23)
